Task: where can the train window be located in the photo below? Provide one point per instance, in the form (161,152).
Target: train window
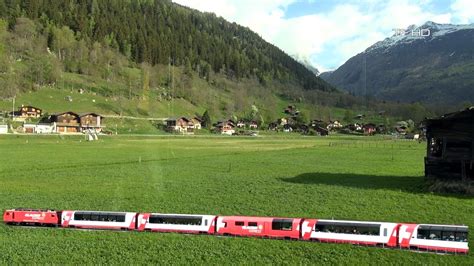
(435,235)
(461,236)
(252,223)
(282,224)
(120,218)
(239,223)
(183,220)
(423,234)
(348,228)
(385,232)
(448,235)
(78,216)
(442,233)
(205,222)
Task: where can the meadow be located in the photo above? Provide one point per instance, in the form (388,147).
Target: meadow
(357,178)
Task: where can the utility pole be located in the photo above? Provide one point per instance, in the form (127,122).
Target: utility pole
(13,107)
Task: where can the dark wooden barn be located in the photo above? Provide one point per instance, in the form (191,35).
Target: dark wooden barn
(450,149)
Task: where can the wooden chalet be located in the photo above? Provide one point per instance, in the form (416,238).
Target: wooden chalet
(334,125)
(197,122)
(287,128)
(68,122)
(27,111)
(240,124)
(450,148)
(180,125)
(253,125)
(91,122)
(30,112)
(225,127)
(273,126)
(322,131)
(369,129)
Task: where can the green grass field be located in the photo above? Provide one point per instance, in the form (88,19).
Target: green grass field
(338,177)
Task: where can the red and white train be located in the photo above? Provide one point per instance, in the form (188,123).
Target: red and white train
(428,237)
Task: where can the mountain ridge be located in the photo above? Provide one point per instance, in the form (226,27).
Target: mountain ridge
(435,69)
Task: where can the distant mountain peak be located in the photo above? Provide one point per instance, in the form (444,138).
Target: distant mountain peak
(428,31)
(431,63)
(304,60)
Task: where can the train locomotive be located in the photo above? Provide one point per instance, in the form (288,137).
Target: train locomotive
(424,237)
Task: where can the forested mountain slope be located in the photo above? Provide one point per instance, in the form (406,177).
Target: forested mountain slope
(155,31)
(156,58)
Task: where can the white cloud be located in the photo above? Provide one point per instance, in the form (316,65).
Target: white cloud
(344,31)
(463,11)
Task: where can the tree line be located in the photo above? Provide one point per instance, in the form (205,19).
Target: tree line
(155,31)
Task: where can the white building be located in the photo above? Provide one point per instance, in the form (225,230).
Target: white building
(45,128)
(3,129)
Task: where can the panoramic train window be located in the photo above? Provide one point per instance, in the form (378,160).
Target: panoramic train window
(282,224)
(102,217)
(348,228)
(442,233)
(184,220)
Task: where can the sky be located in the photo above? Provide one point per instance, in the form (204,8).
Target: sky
(329,32)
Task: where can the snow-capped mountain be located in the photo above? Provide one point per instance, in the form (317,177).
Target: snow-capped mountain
(431,63)
(304,60)
(426,32)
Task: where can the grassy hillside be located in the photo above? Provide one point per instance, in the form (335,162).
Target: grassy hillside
(223,98)
(43,61)
(364,179)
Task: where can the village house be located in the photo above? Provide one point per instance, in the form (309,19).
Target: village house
(282,121)
(25,112)
(240,124)
(401,127)
(369,129)
(197,122)
(30,112)
(45,128)
(226,127)
(273,126)
(317,122)
(334,125)
(91,122)
(287,128)
(68,122)
(354,127)
(180,125)
(253,125)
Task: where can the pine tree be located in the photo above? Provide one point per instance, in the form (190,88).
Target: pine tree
(206,120)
